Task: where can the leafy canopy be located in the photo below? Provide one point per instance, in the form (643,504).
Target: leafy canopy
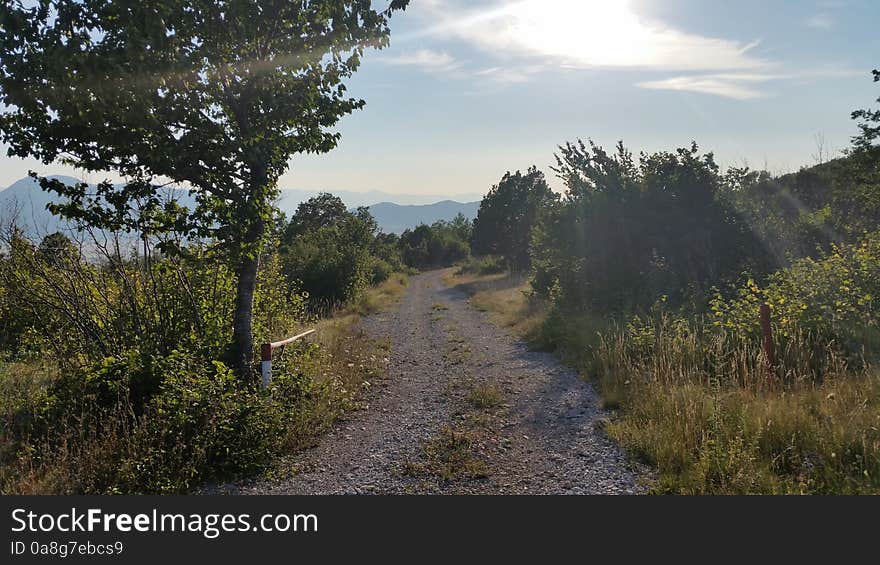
(213,94)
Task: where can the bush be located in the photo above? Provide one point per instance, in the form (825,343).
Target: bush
(380,270)
(481,266)
(202,425)
(333,254)
(833,299)
(439,245)
(628,232)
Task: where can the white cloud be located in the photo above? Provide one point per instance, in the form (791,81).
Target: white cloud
(820,21)
(425,59)
(509,75)
(736,86)
(589,34)
(739,86)
(525,37)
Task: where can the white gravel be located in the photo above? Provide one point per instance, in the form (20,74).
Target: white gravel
(543,440)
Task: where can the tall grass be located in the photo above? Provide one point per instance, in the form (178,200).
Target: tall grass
(698,402)
(704,408)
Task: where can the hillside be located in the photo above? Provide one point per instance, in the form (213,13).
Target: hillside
(26,202)
(395,218)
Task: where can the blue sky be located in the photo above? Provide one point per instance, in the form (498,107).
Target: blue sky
(471,89)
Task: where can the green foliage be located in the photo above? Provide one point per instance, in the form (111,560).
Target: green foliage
(869,124)
(834,299)
(507,215)
(485,265)
(332,254)
(216,99)
(134,399)
(441,244)
(626,233)
(201,425)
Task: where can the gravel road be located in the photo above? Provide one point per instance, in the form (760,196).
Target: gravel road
(539,436)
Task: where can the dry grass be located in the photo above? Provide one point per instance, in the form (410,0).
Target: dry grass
(346,365)
(505,298)
(486,396)
(450,455)
(703,409)
(700,406)
(379,298)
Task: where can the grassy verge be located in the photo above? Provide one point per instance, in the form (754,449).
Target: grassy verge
(379,297)
(504,297)
(74,434)
(699,405)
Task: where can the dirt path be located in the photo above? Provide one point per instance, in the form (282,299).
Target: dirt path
(466,409)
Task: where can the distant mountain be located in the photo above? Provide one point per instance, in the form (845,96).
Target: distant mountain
(26,202)
(290,198)
(394,218)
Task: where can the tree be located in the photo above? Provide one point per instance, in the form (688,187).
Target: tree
(508,213)
(869,124)
(439,245)
(627,233)
(317,212)
(213,95)
(326,250)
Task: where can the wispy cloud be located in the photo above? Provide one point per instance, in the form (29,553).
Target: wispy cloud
(526,37)
(739,86)
(736,86)
(425,59)
(820,21)
(510,74)
(588,34)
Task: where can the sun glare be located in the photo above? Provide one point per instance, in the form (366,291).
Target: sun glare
(598,33)
(587,31)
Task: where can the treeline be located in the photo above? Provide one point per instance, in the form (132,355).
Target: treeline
(332,253)
(127,360)
(653,270)
(115,359)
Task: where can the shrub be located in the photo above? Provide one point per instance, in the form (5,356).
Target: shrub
(833,299)
(202,425)
(439,245)
(481,266)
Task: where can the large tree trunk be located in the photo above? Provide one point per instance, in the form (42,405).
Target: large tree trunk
(242,327)
(242,321)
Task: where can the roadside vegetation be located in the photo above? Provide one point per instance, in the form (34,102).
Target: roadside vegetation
(649,273)
(114,375)
(127,347)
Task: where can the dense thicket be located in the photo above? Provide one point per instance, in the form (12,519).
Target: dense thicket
(627,232)
(507,215)
(438,245)
(332,253)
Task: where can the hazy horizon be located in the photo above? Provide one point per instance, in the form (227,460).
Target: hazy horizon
(453,101)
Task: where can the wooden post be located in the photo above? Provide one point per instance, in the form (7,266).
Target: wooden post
(266,355)
(266,363)
(767,337)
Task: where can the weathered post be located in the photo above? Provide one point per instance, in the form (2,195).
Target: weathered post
(266,355)
(767,337)
(266,363)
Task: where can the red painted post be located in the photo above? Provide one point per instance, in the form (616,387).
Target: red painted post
(266,363)
(266,354)
(767,337)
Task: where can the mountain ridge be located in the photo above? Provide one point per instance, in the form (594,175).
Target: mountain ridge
(393,212)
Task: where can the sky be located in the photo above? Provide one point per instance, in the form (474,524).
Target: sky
(470,89)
